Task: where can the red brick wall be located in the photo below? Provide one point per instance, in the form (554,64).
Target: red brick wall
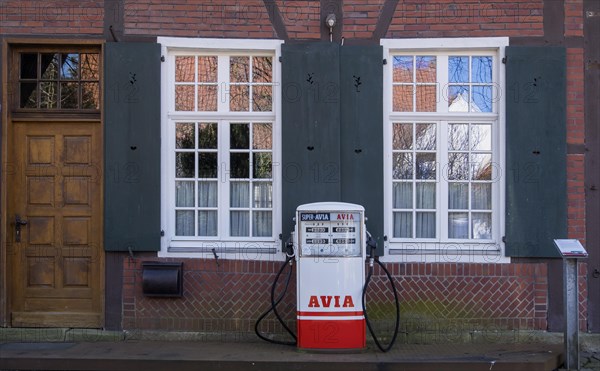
(31,17)
(573,17)
(444,18)
(231,296)
(302,19)
(360,17)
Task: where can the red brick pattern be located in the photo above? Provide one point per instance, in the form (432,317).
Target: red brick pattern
(360,17)
(575,96)
(199,18)
(445,18)
(31,17)
(573,17)
(229,297)
(302,19)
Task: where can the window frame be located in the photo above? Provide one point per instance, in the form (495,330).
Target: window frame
(256,248)
(444,249)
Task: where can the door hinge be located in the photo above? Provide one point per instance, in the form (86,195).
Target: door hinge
(162,58)
(504,60)
(162,233)
(504,239)
(280,59)
(384,61)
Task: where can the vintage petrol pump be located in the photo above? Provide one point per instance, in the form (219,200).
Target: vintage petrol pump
(329,243)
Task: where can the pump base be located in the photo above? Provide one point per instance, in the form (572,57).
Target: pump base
(332,334)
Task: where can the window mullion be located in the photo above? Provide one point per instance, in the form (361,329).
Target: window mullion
(224,184)
(224,86)
(442,76)
(443,199)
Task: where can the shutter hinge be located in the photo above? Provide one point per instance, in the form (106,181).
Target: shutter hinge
(384,61)
(385,238)
(504,60)
(280,59)
(162,232)
(162,58)
(504,239)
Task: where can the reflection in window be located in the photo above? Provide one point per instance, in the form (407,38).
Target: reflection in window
(470,86)
(59,81)
(414,84)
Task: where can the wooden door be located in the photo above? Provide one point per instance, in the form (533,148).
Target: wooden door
(56,262)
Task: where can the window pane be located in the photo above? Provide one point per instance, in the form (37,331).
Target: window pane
(262,98)
(481,69)
(426,69)
(207,165)
(481,137)
(262,69)
(403,98)
(69,95)
(184,135)
(425,166)
(184,194)
(207,223)
(425,197)
(184,165)
(184,98)
(458,196)
(90,66)
(262,195)
(239,98)
(90,95)
(207,194)
(262,136)
(458,166)
(262,166)
(29,95)
(402,166)
(69,66)
(403,136)
(458,139)
(240,194)
(402,195)
(482,99)
(403,69)
(239,136)
(239,69)
(482,226)
(29,65)
(403,224)
(49,66)
(458,225)
(184,69)
(207,135)
(207,69)
(239,223)
(481,167)
(262,222)
(240,165)
(49,95)
(207,98)
(425,137)
(481,196)
(458,69)
(425,225)
(426,98)
(184,223)
(458,98)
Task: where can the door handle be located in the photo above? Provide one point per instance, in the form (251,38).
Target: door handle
(18,224)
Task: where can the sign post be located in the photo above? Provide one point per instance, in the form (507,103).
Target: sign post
(571,250)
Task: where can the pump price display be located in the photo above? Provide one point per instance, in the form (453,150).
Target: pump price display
(330,234)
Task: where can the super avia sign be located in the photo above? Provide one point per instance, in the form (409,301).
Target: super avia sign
(306,217)
(330,301)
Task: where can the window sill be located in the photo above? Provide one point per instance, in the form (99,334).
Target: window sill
(445,252)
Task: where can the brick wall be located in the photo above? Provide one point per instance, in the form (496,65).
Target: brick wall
(443,18)
(360,17)
(228,298)
(31,17)
(302,19)
(573,17)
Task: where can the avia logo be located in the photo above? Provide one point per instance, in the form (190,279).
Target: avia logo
(326,301)
(345,217)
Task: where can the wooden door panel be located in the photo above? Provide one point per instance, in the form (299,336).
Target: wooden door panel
(57,267)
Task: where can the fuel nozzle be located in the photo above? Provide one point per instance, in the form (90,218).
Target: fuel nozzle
(372,245)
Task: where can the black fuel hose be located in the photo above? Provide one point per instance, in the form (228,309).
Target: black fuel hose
(389,346)
(274,304)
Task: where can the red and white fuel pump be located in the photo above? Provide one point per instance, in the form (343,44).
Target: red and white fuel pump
(329,243)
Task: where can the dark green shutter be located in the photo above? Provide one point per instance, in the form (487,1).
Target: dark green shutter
(132,147)
(536,183)
(361,132)
(310,126)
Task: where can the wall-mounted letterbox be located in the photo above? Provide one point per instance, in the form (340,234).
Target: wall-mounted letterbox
(162,279)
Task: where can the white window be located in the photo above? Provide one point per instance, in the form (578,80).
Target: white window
(220,146)
(444,148)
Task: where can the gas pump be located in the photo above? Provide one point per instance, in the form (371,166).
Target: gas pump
(329,246)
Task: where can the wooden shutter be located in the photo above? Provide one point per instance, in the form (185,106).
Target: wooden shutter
(536,183)
(132,147)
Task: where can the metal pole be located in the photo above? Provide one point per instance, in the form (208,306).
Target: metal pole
(571,313)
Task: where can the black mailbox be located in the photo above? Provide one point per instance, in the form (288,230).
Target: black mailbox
(162,279)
